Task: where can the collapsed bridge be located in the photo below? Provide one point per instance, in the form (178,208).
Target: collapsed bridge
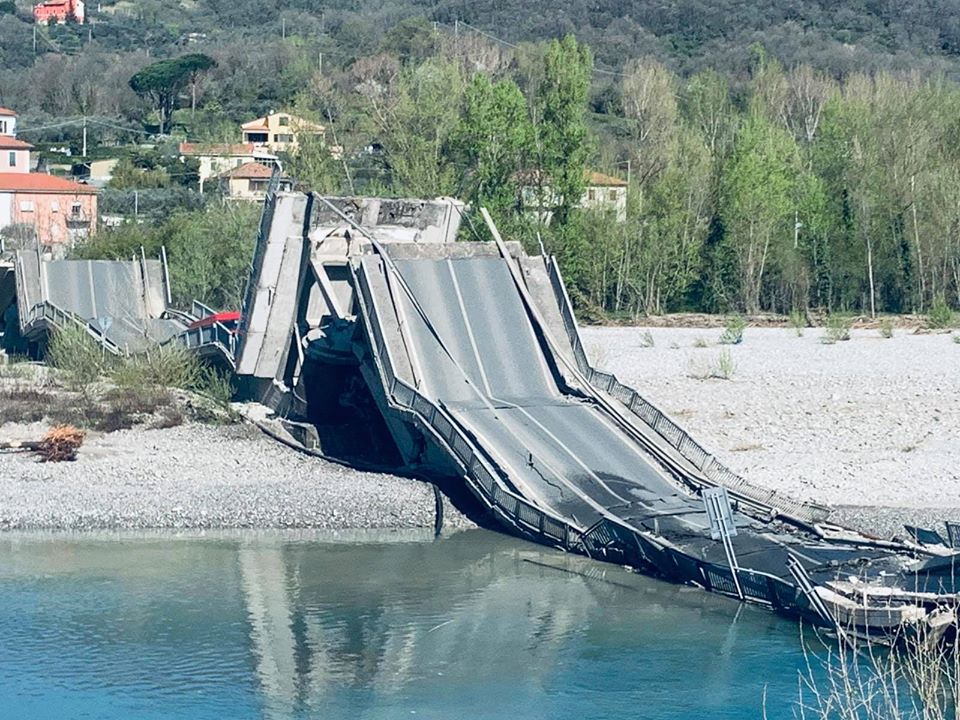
(379,337)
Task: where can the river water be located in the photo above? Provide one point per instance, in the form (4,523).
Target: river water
(370,625)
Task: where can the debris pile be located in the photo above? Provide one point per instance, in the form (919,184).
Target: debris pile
(59,444)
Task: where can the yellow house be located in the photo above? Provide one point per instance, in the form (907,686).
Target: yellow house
(279,132)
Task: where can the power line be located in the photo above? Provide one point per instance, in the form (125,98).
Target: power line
(507,43)
(81,121)
(492,37)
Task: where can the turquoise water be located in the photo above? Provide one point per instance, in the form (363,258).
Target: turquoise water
(474,625)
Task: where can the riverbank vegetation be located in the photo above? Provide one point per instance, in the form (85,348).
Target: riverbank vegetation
(761,177)
(88,388)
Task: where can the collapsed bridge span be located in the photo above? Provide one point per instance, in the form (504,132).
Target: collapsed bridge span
(367,323)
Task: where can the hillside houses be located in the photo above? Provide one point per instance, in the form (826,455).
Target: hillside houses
(59,211)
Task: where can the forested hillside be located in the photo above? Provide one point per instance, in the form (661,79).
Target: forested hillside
(781,155)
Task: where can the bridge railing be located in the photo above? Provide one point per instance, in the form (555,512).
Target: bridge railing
(673,434)
(48,314)
(487,482)
(217,336)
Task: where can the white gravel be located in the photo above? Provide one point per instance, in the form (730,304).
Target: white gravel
(199,476)
(867,422)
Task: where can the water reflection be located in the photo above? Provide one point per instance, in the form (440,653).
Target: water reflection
(280,626)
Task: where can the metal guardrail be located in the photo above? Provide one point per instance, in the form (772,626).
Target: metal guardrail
(216,336)
(485,481)
(675,436)
(49,313)
(609,538)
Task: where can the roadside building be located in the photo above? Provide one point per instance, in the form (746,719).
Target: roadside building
(601,192)
(59,12)
(279,132)
(59,211)
(216,159)
(249,182)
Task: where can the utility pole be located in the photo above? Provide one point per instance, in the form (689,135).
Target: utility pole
(84,137)
(34,39)
(283,28)
(456,28)
(320,63)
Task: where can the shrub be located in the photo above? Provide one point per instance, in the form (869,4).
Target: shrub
(216,385)
(940,315)
(733,334)
(886,328)
(797,322)
(646,339)
(73,350)
(725,365)
(170,365)
(837,330)
(700,342)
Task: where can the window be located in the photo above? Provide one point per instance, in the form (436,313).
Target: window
(284,138)
(613,196)
(3,127)
(12,159)
(26,206)
(55,206)
(283,121)
(591,194)
(76,208)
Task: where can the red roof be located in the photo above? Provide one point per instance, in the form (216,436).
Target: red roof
(42,183)
(189,148)
(7,113)
(11,143)
(252,170)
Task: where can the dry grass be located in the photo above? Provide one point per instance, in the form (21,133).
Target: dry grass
(915,678)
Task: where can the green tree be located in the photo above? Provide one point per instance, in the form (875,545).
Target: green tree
(561,129)
(163,81)
(416,120)
(758,196)
(494,138)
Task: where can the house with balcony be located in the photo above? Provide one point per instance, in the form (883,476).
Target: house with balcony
(217,158)
(279,132)
(59,211)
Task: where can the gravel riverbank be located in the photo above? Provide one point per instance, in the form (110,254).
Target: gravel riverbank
(871,425)
(204,476)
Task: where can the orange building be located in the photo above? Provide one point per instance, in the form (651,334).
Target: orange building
(59,12)
(60,211)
